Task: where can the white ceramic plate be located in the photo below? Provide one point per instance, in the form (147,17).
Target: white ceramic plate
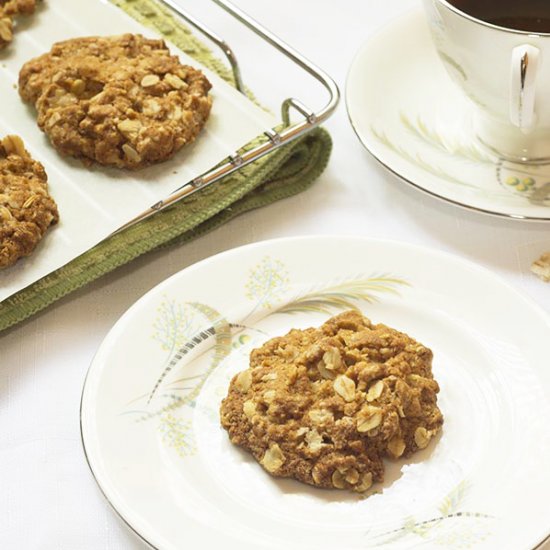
(414,120)
(150,422)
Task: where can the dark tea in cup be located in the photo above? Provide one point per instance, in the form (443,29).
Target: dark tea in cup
(523,15)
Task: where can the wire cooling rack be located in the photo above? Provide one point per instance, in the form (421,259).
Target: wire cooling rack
(279,135)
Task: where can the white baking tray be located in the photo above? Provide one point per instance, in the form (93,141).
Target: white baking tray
(94,202)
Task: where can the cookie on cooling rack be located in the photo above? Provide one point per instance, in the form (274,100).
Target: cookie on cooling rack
(8,10)
(326,405)
(26,208)
(120,101)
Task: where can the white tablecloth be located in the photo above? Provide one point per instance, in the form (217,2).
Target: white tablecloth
(48,498)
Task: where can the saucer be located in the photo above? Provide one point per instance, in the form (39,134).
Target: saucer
(414,120)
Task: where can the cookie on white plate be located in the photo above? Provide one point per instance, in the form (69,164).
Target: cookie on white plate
(326,405)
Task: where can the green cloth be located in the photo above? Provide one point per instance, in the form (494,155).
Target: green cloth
(285,172)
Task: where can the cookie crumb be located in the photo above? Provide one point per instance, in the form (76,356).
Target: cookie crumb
(541,267)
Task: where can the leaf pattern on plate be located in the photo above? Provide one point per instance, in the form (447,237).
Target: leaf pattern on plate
(173,324)
(177,433)
(470,151)
(344,295)
(267,283)
(418,160)
(454,528)
(174,394)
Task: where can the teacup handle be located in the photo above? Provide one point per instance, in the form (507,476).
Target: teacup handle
(523,86)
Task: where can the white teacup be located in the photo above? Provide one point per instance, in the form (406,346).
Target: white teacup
(505,72)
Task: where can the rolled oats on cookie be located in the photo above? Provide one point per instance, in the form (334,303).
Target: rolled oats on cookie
(121,101)
(326,405)
(26,208)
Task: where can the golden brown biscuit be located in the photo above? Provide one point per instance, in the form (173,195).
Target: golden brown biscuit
(26,208)
(326,405)
(120,101)
(8,10)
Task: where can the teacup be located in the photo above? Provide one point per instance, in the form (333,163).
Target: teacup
(505,72)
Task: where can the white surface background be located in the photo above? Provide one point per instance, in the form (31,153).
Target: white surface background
(48,498)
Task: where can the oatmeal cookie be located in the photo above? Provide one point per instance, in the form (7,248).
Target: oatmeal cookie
(8,10)
(326,405)
(26,208)
(120,101)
